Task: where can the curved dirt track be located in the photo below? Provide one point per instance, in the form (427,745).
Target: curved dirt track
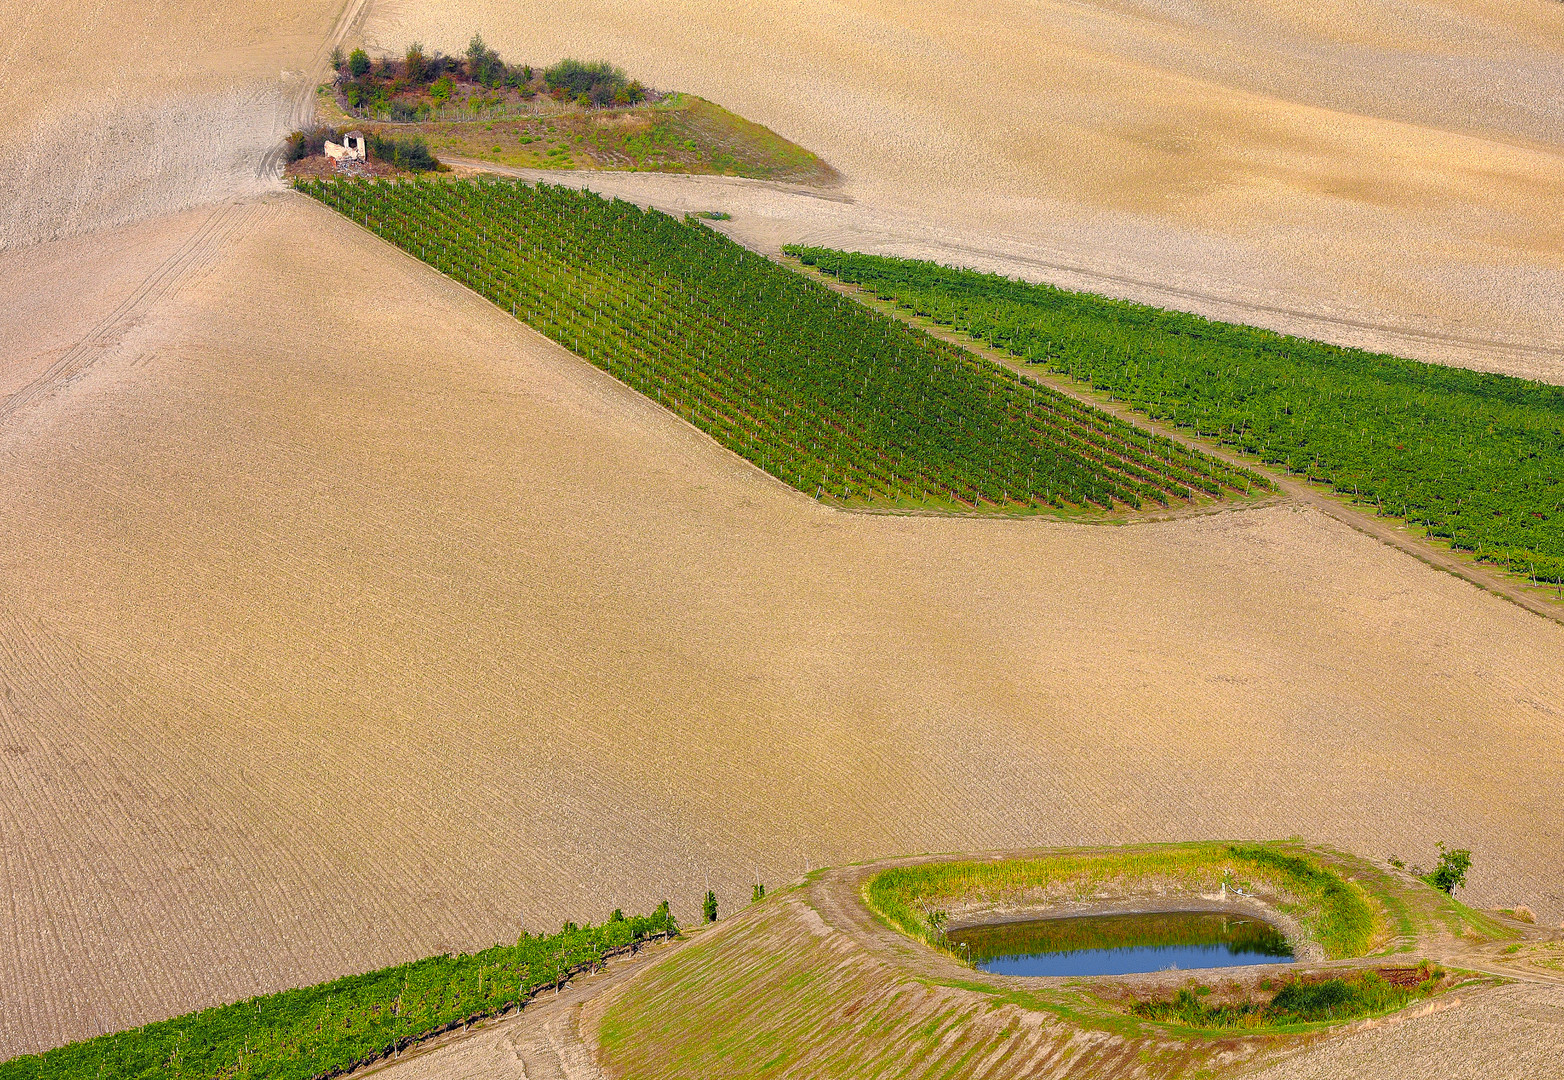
(343,619)
(136,109)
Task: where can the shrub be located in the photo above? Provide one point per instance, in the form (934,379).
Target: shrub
(440,92)
(709,907)
(336,58)
(410,153)
(597,83)
(358,63)
(483,63)
(417,64)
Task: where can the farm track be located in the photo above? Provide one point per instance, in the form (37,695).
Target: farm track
(551,1038)
(327,649)
(223,226)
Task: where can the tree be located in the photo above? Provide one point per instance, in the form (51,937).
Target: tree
(336,58)
(417,63)
(483,63)
(758,894)
(358,63)
(1450,872)
(709,907)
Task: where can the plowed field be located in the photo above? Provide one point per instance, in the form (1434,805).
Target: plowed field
(344,619)
(1391,172)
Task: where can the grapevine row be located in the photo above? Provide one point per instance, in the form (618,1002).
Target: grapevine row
(1475,459)
(837,400)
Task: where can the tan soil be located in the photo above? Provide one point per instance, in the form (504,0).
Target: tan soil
(347,620)
(343,620)
(1362,162)
(128,110)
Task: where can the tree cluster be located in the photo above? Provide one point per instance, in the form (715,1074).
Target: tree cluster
(374,84)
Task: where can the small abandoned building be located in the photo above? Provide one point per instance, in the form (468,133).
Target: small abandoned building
(351,148)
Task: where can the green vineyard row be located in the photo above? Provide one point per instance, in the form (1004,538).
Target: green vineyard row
(326,1030)
(839,401)
(1476,459)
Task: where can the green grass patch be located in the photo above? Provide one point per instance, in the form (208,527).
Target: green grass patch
(1476,460)
(1329,1000)
(842,402)
(1336,913)
(326,1029)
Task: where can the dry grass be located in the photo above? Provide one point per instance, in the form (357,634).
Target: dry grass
(345,620)
(1365,165)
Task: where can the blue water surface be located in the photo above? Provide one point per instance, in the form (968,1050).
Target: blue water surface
(1129,960)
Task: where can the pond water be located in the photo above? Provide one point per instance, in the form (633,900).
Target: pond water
(1122,944)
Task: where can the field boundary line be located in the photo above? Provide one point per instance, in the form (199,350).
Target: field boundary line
(1297,490)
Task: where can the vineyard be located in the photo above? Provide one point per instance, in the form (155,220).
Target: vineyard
(839,401)
(325,1030)
(1475,459)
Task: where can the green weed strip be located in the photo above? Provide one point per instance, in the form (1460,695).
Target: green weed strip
(335,1027)
(1348,916)
(1294,1000)
(1477,460)
(841,402)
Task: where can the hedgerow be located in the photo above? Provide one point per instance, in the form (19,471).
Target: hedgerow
(325,1030)
(1476,459)
(839,401)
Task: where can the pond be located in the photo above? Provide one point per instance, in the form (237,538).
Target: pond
(1121,944)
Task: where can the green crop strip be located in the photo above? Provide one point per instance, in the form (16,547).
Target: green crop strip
(327,1029)
(839,401)
(1476,459)
(1336,913)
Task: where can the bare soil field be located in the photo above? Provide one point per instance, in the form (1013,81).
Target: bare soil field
(344,620)
(120,112)
(1384,172)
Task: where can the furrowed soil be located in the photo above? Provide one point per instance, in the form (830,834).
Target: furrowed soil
(119,112)
(343,620)
(1371,173)
(346,620)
